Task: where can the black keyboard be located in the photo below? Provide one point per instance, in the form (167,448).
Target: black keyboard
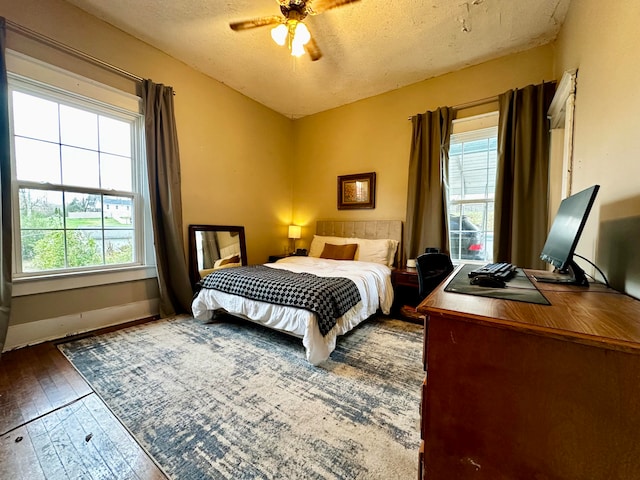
(503,271)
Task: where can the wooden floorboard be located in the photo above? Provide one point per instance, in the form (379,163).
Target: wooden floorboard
(33,384)
(53,426)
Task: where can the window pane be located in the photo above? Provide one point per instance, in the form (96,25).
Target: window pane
(115,136)
(42,250)
(84,248)
(119,236)
(118,246)
(465,236)
(476,146)
(476,213)
(40,216)
(455,177)
(78,128)
(455,149)
(35,117)
(472,179)
(80,167)
(37,161)
(118,212)
(116,172)
(40,209)
(83,210)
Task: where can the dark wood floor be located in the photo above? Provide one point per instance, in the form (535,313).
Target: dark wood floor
(53,426)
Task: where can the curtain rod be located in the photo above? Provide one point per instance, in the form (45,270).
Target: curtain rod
(472,104)
(27,32)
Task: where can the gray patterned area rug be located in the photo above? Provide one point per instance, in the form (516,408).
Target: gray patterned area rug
(231,399)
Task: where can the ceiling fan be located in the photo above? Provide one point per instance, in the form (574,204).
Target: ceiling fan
(290,29)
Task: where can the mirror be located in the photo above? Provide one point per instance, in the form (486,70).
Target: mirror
(212,247)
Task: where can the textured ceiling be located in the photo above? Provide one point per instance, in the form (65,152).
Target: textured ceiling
(369,47)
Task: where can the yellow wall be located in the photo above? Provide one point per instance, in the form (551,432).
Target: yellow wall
(601,39)
(375,135)
(235,154)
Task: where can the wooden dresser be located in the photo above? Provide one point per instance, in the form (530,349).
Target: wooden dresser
(524,391)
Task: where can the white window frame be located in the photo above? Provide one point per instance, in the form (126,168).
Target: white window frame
(50,82)
(468,129)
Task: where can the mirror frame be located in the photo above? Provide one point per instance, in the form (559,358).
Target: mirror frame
(194,274)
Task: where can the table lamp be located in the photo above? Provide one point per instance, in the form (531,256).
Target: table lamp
(294,233)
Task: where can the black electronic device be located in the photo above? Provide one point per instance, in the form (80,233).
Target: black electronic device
(563,238)
(487,281)
(502,271)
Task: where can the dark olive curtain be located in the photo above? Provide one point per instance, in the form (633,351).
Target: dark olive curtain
(6,284)
(210,250)
(163,165)
(523,176)
(426,221)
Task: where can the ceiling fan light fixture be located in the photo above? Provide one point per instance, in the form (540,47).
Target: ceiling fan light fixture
(294,33)
(297,48)
(279,34)
(289,29)
(302,34)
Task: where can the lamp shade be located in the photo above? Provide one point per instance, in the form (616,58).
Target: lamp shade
(279,34)
(302,34)
(294,231)
(297,49)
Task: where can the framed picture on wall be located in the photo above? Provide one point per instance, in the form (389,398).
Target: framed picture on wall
(357,191)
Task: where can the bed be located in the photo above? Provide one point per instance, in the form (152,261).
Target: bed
(369,273)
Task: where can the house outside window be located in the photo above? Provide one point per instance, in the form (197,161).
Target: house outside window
(472,182)
(78,177)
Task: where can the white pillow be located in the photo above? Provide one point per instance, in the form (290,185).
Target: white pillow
(369,250)
(376,251)
(393,246)
(217,263)
(317,244)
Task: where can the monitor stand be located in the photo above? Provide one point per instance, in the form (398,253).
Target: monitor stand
(572,274)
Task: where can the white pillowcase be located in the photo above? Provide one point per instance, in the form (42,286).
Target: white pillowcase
(377,251)
(381,251)
(393,247)
(317,244)
(217,263)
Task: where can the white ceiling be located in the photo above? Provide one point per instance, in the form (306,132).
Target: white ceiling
(369,47)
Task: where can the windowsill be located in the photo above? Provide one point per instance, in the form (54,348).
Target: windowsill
(71,281)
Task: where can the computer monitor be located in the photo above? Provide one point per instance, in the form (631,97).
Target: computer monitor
(563,238)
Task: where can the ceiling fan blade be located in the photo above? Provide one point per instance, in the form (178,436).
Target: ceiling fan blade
(255,22)
(319,6)
(312,49)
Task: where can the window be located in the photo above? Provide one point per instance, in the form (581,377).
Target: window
(472,182)
(78,184)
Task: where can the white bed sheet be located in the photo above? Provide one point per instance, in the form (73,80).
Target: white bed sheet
(372,279)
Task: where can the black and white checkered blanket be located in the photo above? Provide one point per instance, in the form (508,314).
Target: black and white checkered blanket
(327,297)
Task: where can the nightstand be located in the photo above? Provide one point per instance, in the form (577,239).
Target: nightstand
(275,258)
(406,277)
(405,288)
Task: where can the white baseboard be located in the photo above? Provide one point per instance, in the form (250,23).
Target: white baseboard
(40,331)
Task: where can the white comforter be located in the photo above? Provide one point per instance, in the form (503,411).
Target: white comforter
(372,279)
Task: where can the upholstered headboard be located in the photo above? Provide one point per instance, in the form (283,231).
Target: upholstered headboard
(374,229)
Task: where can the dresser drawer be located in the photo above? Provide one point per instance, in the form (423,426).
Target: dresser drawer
(423,409)
(421,461)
